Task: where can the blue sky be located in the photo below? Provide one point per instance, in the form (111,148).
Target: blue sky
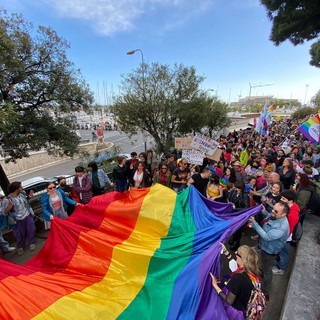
(226,40)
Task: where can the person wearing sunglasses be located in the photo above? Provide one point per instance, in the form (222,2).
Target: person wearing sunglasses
(180,176)
(54,203)
(163,176)
(289,197)
(273,234)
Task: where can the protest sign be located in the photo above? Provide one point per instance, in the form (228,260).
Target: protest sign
(182,143)
(193,156)
(204,144)
(216,156)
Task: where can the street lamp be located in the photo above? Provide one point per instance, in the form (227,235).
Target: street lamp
(131,52)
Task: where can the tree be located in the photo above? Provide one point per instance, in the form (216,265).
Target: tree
(163,101)
(304,112)
(203,112)
(315,54)
(316,100)
(298,21)
(37,83)
(216,117)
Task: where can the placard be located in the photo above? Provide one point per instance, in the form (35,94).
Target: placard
(216,156)
(193,156)
(182,143)
(204,144)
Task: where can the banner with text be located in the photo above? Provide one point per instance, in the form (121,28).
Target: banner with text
(204,144)
(193,156)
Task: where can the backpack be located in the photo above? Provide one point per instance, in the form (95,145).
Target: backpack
(257,303)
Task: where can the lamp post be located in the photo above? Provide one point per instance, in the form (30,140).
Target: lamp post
(131,52)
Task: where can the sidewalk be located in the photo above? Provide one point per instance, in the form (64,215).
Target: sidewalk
(41,238)
(303,297)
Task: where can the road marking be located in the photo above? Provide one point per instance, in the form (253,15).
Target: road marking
(119,139)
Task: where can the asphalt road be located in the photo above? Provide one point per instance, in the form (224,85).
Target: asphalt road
(66,167)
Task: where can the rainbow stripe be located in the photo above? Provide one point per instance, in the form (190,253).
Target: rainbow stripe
(144,254)
(311,129)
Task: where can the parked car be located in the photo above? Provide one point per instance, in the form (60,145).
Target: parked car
(37,184)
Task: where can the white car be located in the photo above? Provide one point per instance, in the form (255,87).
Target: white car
(37,184)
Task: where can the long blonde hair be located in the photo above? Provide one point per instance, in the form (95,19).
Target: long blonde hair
(250,259)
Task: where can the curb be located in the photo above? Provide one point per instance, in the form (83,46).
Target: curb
(302,299)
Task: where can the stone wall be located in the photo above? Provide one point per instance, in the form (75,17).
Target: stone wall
(38,159)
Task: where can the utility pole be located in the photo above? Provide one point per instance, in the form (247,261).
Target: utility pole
(305,95)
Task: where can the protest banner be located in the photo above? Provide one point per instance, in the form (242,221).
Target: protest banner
(204,144)
(193,156)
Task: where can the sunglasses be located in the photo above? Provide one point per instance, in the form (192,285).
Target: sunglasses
(51,188)
(238,255)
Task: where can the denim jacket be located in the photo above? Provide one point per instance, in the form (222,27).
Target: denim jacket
(103,178)
(273,235)
(46,204)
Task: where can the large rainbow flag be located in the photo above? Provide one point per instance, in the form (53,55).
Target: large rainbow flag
(143,254)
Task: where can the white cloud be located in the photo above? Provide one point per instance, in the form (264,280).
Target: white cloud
(109,17)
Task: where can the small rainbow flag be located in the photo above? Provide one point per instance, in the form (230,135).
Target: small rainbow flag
(142,254)
(311,129)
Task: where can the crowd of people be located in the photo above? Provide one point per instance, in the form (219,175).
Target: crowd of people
(277,170)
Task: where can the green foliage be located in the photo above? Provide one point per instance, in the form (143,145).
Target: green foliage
(316,99)
(256,107)
(315,54)
(203,112)
(163,101)
(217,118)
(36,78)
(297,21)
(304,112)
(106,165)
